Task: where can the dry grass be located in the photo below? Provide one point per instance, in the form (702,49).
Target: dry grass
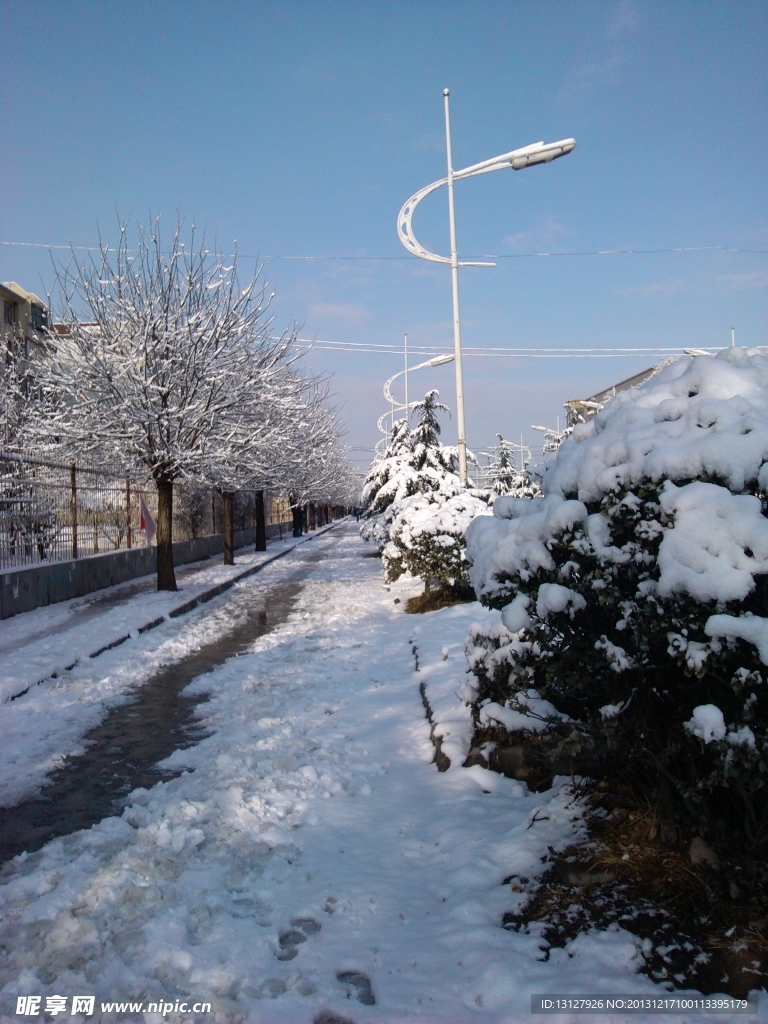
(693,931)
(438,597)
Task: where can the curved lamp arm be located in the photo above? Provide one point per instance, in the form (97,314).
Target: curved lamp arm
(407,237)
(538,153)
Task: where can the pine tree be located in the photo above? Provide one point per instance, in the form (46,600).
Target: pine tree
(415,462)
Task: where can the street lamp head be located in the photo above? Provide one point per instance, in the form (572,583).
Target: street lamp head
(439,360)
(541,153)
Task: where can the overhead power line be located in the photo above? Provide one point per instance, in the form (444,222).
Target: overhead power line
(491,352)
(389,259)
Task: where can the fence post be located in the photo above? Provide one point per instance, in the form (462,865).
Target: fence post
(261,525)
(229,543)
(73,480)
(128,537)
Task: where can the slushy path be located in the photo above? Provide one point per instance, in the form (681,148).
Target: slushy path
(310,863)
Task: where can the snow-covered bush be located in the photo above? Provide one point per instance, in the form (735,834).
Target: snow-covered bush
(428,536)
(415,462)
(634,597)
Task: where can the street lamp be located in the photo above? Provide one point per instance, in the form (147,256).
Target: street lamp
(396,406)
(518,159)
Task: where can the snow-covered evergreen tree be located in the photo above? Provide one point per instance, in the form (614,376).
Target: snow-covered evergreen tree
(507,477)
(427,537)
(415,462)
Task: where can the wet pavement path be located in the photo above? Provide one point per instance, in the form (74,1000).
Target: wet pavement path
(123,752)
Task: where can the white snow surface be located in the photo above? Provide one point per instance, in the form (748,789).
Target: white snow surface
(435,515)
(313,799)
(45,724)
(36,644)
(555,598)
(752,628)
(705,555)
(514,616)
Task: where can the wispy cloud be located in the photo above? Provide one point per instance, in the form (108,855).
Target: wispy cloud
(706,284)
(622,21)
(346,312)
(536,238)
(433,142)
(672,286)
(741,282)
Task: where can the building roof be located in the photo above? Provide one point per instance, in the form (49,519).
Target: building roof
(22,293)
(579,409)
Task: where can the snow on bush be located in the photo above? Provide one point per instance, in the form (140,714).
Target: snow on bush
(428,535)
(635,598)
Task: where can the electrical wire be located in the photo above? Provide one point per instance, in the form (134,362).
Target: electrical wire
(386,259)
(490,352)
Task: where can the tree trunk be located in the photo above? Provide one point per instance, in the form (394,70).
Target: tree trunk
(306,518)
(298,521)
(261,522)
(166,577)
(229,527)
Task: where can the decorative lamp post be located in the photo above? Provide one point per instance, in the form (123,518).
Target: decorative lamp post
(518,159)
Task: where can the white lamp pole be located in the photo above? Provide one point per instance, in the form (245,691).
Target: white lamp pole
(456,310)
(538,153)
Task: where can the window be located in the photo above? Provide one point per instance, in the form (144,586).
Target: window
(39,317)
(9,312)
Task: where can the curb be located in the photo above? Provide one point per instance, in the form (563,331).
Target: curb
(182,609)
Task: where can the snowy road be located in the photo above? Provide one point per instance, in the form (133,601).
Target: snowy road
(310,863)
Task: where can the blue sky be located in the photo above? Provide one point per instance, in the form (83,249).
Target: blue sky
(301,128)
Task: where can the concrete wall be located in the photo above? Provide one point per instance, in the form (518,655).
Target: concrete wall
(36,586)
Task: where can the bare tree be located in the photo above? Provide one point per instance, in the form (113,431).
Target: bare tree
(166,363)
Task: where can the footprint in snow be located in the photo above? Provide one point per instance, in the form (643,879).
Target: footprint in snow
(302,927)
(359,984)
(329,1017)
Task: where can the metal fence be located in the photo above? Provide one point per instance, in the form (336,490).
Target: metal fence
(54,511)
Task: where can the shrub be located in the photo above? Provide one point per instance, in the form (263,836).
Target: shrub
(427,537)
(634,599)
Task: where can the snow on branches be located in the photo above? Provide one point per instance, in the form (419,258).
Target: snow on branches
(427,537)
(164,361)
(415,508)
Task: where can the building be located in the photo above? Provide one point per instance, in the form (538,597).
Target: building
(579,410)
(25,317)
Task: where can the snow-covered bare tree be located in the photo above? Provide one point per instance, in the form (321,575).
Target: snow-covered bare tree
(164,360)
(314,465)
(14,403)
